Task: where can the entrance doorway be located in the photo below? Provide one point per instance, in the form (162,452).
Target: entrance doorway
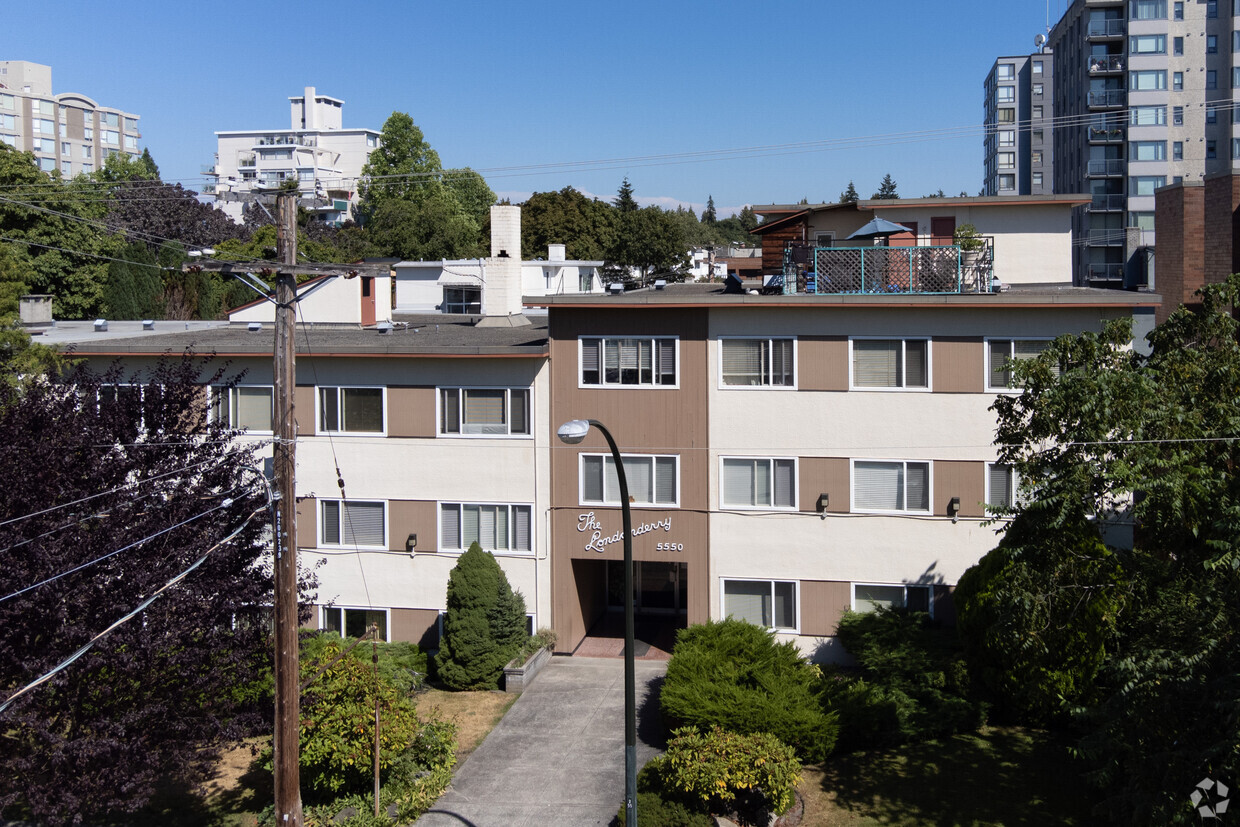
(660,588)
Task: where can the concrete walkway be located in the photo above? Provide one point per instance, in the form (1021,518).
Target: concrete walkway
(557,757)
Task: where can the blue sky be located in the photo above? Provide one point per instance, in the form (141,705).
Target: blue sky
(498,85)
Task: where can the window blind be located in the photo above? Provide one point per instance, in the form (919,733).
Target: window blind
(252,408)
(592,479)
(1000,485)
(451,526)
(781,361)
(519,412)
(742,361)
(362,524)
(917,475)
(667,361)
(785,614)
(469,526)
(665,480)
(589,361)
(1000,352)
(872,598)
(917,369)
(738,482)
(331,522)
(363,409)
(484,411)
(450,411)
(785,484)
(876,363)
(748,600)
(879,485)
(521,527)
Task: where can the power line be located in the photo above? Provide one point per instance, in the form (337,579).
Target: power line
(140,608)
(80,253)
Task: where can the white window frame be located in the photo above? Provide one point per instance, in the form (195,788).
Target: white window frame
(603,383)
(824,235)
(902,387)
(581,479)
(727,506)
(461,434)
(796,599)
(462,548)
(906,586)
(318,410)
(852,486)
(1011,351)
(387,614)
(219,391)
(322,543)
(1013,483)
(767,385)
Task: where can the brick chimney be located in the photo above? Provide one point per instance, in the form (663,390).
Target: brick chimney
(501,272)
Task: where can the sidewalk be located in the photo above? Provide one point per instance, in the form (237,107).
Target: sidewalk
(557,757)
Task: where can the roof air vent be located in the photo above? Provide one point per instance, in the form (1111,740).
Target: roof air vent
(148,324)
(254,327)
(101,325)
(660,284)
(616,288)
(385,328)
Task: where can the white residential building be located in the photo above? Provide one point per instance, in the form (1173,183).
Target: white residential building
(316,149)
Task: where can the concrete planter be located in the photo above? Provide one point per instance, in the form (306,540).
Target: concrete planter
(518,676)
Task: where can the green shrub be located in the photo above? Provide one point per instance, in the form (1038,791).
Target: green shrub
(735,675)
(484,626)
(722,770)
(655,811)
(404,665)
(913,683)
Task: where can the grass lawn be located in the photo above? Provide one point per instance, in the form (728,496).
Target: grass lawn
(999,776)
(240,790)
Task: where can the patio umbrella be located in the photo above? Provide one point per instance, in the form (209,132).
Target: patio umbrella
(880,228)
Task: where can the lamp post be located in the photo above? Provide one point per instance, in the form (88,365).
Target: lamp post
(572,433)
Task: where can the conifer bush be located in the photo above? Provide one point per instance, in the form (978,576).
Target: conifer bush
(735,675)
(484,626)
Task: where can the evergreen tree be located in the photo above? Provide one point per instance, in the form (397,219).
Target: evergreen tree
(134,289)
(484,625)
(850,195)
(887,189)
(148,163)
(625,202)
(708,214)
(748,218)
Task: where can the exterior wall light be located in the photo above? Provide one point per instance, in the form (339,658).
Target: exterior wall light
(411,543)
(953,508)
(824,500)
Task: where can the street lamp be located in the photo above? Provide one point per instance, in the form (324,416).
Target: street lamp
(572,433)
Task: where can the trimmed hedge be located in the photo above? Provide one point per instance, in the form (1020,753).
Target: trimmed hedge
(734,675)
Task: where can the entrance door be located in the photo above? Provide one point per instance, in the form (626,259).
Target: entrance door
(943,231)
(908,239)
(368,301)
(660,588)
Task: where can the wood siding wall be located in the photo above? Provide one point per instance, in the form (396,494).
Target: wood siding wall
(418,517)
(966,480)
(773,245)
(823,363)
(411,411)
(959,364)
(822,605)
(824,475)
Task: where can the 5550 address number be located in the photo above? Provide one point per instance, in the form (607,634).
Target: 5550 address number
(669,546)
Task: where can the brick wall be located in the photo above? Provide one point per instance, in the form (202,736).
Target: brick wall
(1179,218)
(1222,232)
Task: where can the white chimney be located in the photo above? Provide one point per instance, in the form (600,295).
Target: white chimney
(555,252)
(501,289)
(309,108)
(35,310)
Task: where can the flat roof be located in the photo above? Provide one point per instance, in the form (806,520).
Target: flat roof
(713,295)
(955,200)
(413,335)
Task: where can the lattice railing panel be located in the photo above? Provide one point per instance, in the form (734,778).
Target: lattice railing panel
(888,270)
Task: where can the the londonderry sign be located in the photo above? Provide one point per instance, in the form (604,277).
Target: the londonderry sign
(588,524)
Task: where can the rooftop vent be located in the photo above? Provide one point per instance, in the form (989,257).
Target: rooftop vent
(660,284)
(254,327)
(385,328)
(101,325)
(148,324)
(616,288)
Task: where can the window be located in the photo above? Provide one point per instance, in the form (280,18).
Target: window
(11,140)
(44,125)
(66,169)
(1211,152)
(1235,77)
(1177,116)
(1007,182)
(353,622)
(1037,67)
(276,154)
(352,523)
(1211,9)
(890,486)
(8,122)
(585,280)
(1037,89)
(88,133)
(1148,44)
(653,480)
(109,119)
(1147,116)
(495,527)
(1177,151)
(43,145)
(824,239)
(87,169)
(111,137)
(1145,184)
(66,149)
(1005,94)
(351,410)
(1000,487)
(758,483)
(372,140)
(1211,114)
(1178,8)
(1006,71)
(1037,112)
(484,411)
(243,406)
(1006,115)
(1235,41)
(1211,44)
(870,597)
(1036,179)
(131,142)
(1148,150)
(1235,149)
(1211,79)
(1036,135)
(768,603)
(1007,137)
(754,362)
(891,363)
(1177,46)
(1007,160)
(46,164)
(1148,9)
(1147,80)
(1035,157)
(1001,352)
(8,102)
(631,362)
(1177,81)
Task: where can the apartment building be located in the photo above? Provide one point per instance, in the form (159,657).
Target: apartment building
(317,150)
(1144,95)
(1018,113)
(69,132)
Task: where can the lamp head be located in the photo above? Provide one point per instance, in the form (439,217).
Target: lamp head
(573,431)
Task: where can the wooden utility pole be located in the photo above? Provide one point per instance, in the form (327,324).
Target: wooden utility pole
(287,669)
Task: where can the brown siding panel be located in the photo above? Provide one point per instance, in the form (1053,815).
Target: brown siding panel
(307,522)
(824,475)
(966,480)
(411,411)
(959,364)
(420,626)
(824,363)
(822,605)
(303,409)
(412,517)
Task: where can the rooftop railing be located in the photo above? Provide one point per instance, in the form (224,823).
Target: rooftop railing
(927,269)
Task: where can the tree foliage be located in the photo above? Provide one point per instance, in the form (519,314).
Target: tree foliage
(484,626)
(650,240)
(401,165)
(585,226)
(886,189)
(850,195)
(1124,556)
(121,490)
(625,202)
(708,214)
